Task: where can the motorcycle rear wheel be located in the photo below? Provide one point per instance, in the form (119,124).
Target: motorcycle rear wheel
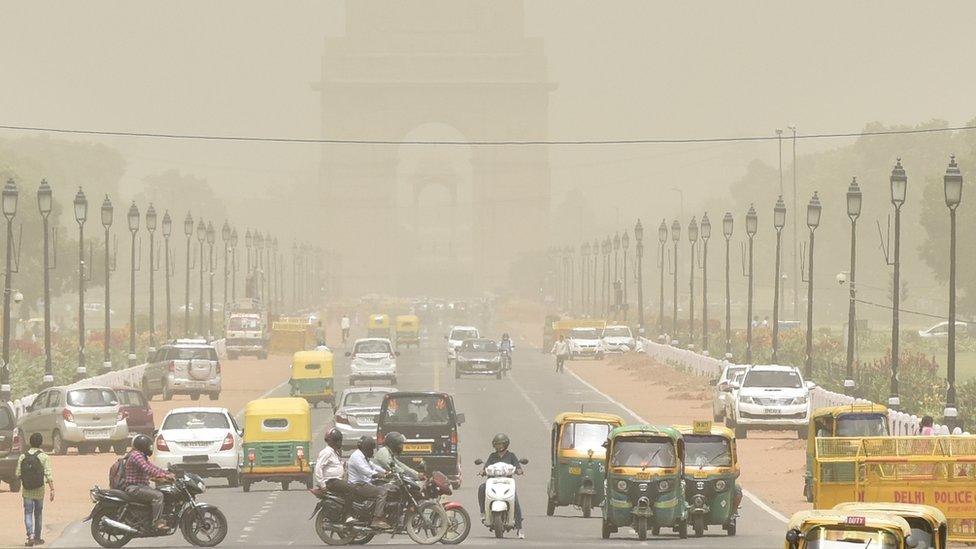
(362,540)
(458,526)
(105,537)
(204,527)
(427,524)
(338,535)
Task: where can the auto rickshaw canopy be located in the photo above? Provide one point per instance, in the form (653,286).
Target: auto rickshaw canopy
(379,321)
(610,420)
(312,365)
(277,419)
(932,516)
(803,521)
(407,323)
(709,429)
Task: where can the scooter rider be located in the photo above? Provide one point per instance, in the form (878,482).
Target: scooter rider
(138,472)
(360,471)
(502,455)
(386,456)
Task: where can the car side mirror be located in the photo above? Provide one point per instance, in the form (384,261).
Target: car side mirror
(479,462)
(713,381)
(459,418)
(397,353)
(811,385)
(348,353)
(155,432)
(724,386)
(29,408)
(524,461)
(735,385)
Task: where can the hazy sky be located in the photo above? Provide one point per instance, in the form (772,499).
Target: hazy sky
(624,69)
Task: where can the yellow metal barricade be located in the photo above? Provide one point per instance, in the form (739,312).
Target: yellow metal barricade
(937,471)
(288,336)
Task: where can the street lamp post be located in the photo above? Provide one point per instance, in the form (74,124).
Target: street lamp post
(779,221)
(692,239)
(899,188)
(752,225)
(727,225)
(108,215)
(952,182)
(225,233)
(233,261)
(201,237)
(625,243)
(151,228)
(605,248)
(596,253)
(662,236)
(706,233)
(45,199)
(211,238)
(813,221)
(133,219)
(10,193)
(584,262)
(188,231)
(639,238)
(167,231)
(616,269)
(853,212)
(675,237)
(81,215)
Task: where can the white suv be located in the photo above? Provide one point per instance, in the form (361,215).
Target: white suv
(205,441)
(457,337)
(586,343)
(618,339)
(770,397)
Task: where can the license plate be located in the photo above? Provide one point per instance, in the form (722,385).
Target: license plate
(575,471)
(408,447)
(96,435)
(195,459)
(772,411)
(642,476)
(478,366)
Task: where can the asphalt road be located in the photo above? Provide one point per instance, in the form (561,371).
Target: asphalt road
(521,405)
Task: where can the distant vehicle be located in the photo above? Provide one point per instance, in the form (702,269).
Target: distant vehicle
(941,330)
(618,339)
(372,358)
(357,412)
(430,424)
(136,410)
(586,343)
(771,397)
(9,447)
(247,329)
(203,441)
(456,337)
(185,367)
(84,417)
(723,390)
(478,357)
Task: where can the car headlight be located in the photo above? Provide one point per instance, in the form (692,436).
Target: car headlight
(496,359)
(800,400)
(622,485)
(746,400)
(720,485)
(663,486)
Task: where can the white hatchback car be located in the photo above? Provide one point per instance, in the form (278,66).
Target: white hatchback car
(372,358)
(586,343)
(770,397)
(205,441)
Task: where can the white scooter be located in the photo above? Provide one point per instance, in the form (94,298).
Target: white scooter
(499,496)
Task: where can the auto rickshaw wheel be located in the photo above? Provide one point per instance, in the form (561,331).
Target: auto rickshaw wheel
(551,508)
(606,529)
(730,527)
(640,526)
(246,486)
(284,485)
(682,529)
(586,503)
(655,531)
(698,524)
(233,479)
(741,432)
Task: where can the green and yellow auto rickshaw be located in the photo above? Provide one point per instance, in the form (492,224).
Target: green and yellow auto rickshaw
(277,442)
(378,325)
(312,376)
(407,330)
(849,420)
(644,472)
(577,460)
(711,470)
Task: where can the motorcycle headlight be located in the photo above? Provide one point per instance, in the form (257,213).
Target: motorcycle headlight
(720,485)
(663,486)
(201,486)
(622,485)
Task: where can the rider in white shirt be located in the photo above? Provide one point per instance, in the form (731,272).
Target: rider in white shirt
(361,470)
(328,466)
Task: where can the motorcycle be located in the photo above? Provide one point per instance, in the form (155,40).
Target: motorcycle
(506,359)
(412,507)
(499,496)
(458,523)
(116,519)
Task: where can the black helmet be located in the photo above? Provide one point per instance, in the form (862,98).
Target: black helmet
(394,441)
(505,335)
(334,438)
(501,438)
(143,443)
(367,445)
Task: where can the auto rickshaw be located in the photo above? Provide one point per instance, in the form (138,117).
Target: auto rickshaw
(277,442)
(833,528)
(644,471)
(711,470)
(378,326)
(851,420)
(929,526)
(577,455)
(312,376)
(407,330)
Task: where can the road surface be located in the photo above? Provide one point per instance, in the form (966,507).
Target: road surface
(522,405)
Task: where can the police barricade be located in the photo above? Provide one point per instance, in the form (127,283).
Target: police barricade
(932,470)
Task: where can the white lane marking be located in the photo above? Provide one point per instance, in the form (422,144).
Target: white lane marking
(240,413)
(535,407)
(752,497)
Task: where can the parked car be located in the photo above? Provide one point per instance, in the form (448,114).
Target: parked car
(204,441)
(357,409)
(478,357)
(83,417)
(723,389)
(585,343)
(941,330)
(183,367)
(771,397)
(372,358)
(456,337)
(9,446)
(136,410)
(618,339)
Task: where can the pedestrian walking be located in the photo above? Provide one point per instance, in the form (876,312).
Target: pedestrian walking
(34,471)
(561,349)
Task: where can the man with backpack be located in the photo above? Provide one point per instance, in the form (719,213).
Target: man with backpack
(34,470)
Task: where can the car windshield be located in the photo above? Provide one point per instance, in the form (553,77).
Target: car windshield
(862,425)
(583,437)
(583,333)
(92,397)
(418,410)
(195,420)
(789,379)
(243,323)
(617,331)
(131,398)
(192,353)
(372,346)
(370,398)
(461,335)
(847,537)
(643,452)
(707,451)
(480,346)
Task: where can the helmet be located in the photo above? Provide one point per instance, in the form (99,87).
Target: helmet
(143,443)
(334,438)
(394,441)
(505,336)
(367,446)
(501,438)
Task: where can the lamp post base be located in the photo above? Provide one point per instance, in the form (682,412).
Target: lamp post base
(849,387)
(894,403)
(5,392)
(951,418)
(132,359)
(48,381)
(81,373)
(106,366)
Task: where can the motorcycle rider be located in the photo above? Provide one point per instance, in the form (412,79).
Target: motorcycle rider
(328,466)
(138,473)
(507,345)
(360,471)
(501,455)
(386,456)
(561,349)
